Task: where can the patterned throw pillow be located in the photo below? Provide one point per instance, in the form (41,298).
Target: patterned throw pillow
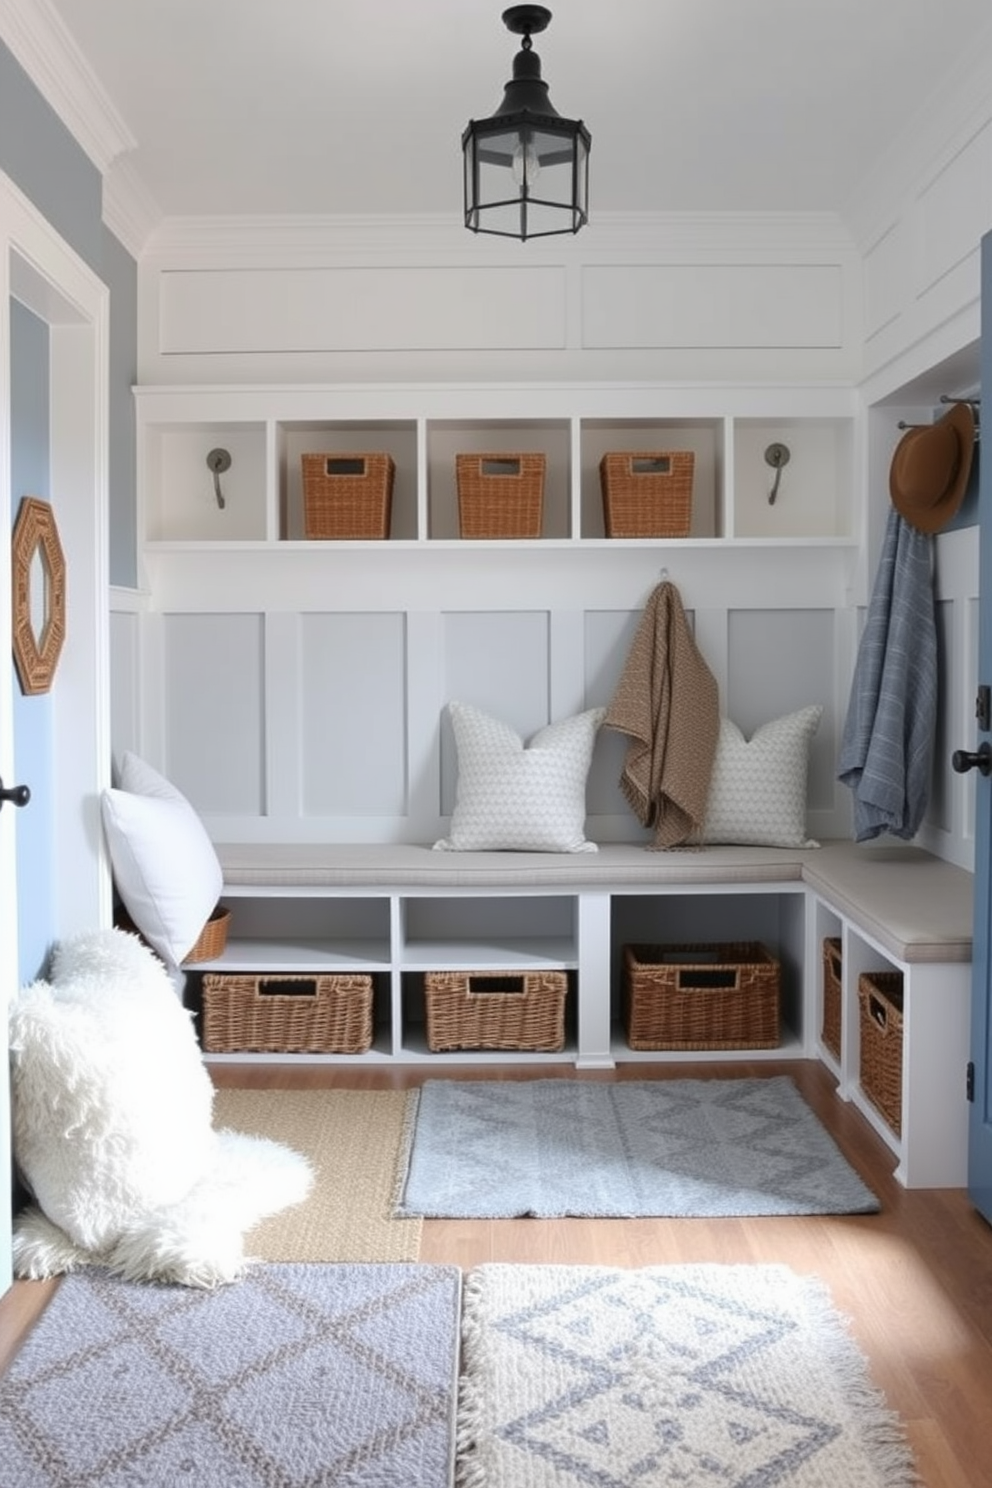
(757,792)
(526,798)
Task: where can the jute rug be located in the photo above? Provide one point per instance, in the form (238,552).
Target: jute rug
(353,1138)
(712,1147)
(697,1375)
(294,1377)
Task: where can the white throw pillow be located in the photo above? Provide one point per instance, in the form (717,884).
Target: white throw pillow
(757,792)
(517,797)
(165,866)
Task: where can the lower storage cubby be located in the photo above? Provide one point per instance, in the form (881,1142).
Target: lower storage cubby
(493,1014)
(701,996)
(880,1000)
(287,1013)
(832,993)
(486,1010)
(713,972)
(276,1012)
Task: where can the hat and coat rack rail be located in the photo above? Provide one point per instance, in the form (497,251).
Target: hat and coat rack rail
(974,403)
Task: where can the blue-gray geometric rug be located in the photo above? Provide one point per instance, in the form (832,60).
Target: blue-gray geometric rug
(296,1376)
(697,1376)
(623,1148)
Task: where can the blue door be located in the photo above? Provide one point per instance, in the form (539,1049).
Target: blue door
(980,1121)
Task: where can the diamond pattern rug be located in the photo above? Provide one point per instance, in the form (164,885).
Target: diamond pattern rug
(702,1376)
(296,1376)
(620,1148)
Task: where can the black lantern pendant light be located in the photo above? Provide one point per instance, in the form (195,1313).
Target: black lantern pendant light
(526,168)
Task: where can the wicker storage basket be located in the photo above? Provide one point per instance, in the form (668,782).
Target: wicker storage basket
(472,1010)
(209,944)
(880,1000)
(347,495)
(831,994)
(500,495)
(647,493)
(291,1014)
(701,996)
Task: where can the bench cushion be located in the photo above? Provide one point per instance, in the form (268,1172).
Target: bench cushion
(403,866)
(918,907)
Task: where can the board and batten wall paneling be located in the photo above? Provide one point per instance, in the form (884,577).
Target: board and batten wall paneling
(333,725)
(352,715)
(214,700)
(282,310)
(955,209)
(500,663)
(921,270)
(779,661)
(712,305)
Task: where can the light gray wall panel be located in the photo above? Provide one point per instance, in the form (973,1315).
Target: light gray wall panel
(210,312)
(353,732)
(730,305)
(780,661)
(214,725)
(501,664)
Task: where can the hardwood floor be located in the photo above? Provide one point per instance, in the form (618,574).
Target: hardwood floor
(915,1280)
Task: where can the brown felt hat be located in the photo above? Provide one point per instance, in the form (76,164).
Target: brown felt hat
(930,468)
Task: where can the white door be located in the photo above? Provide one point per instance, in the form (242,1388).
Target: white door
(38,269)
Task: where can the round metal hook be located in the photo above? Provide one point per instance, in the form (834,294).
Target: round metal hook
(777,456)
(218,461)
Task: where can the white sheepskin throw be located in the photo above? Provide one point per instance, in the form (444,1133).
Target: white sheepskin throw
(112,1128)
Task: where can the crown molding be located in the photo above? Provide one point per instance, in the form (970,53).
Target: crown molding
(129,210)
(37,38)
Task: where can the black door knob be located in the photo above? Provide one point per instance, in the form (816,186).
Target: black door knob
(964,760)
(19,794)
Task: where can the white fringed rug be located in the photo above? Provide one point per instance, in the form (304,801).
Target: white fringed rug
(703,1376)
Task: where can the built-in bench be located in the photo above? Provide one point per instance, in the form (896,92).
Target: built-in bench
(891,906)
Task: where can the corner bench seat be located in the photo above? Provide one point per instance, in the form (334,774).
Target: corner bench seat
(917,906)
(903,904)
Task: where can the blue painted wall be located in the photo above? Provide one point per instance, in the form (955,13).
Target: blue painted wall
(41,157)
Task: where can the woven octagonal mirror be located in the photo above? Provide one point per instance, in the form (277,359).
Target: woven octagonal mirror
(38,592)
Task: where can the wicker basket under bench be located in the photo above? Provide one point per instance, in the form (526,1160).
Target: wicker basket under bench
(286,1013)
(479,1010)
(723,996)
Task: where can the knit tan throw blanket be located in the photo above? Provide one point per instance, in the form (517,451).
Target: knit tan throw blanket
(667,701)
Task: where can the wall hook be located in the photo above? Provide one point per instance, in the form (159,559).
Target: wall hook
(777,456)
(218,461)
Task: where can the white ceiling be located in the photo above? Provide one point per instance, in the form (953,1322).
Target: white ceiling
(311,106)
